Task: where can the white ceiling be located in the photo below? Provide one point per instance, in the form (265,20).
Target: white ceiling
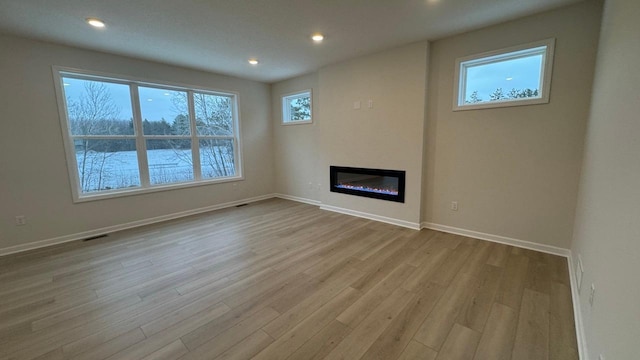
(221,35)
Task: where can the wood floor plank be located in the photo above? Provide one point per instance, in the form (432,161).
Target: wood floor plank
(273,280)
(539,277)
(454,263)
(433,259)
(438,324)
(169,352)
(532,335)
(460,344)
(365,304)
(391,343)
(112,346)
(499,255)
(562,335)
(315,301)
(246,348)
(383,268)
(56,354)
(417,351)
(232,336)
(169,335)
(559,269)
(293,339)
(365,334)
(476,310)
(211,329)
(497,338)
(322,343)
(512,285)
(479,256)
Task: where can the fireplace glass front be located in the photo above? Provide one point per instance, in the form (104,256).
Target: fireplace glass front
(373,183)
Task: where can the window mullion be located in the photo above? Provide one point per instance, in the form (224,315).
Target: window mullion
(141,145)
(195,144)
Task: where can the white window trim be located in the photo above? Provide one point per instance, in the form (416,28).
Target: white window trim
(285,109)
(545,77)
(78,196)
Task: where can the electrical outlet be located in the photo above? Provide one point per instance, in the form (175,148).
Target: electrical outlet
(454,205)
(592,294)
(21,220)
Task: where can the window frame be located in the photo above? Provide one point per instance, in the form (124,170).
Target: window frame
(513,52)
(285,108)
(139,137)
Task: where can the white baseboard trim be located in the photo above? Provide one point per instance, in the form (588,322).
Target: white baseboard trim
(298,199)
(129,225)
(499,239)
(384,219)
(577,313)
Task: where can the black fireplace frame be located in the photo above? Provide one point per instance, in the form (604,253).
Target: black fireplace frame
(401,175)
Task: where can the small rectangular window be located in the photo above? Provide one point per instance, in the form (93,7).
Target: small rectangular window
(515,76)
(296,108)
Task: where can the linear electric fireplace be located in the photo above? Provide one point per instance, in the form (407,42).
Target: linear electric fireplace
(373,183)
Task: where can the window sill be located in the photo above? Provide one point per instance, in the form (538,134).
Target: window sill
(104,195)
(501,104)
(297,122)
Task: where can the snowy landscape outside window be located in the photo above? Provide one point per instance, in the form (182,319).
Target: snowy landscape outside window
(127,136)
(519,75)
(296,108)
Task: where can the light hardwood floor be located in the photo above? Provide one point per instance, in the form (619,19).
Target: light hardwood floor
(283,280)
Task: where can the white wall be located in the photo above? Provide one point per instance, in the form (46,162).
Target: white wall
(607,227)
(386,136)
(513,171)
(33,172)
(296,150)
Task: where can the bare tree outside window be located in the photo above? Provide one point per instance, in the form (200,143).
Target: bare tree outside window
(109,138)
(96,123)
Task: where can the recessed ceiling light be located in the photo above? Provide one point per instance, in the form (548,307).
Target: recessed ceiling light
(95,22)
(509,78)
(166,94)
(149,99)
(317,37)
(66,84)
(253,61)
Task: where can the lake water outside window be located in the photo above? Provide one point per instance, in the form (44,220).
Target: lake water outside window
(168,136)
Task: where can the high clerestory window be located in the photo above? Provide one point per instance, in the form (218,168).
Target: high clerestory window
(125,136)
(297,108)
(519,75)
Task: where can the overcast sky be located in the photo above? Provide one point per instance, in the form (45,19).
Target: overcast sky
(155,104)
(511,74)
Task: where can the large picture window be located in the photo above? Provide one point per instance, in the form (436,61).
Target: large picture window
(127,136)
(519,75)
